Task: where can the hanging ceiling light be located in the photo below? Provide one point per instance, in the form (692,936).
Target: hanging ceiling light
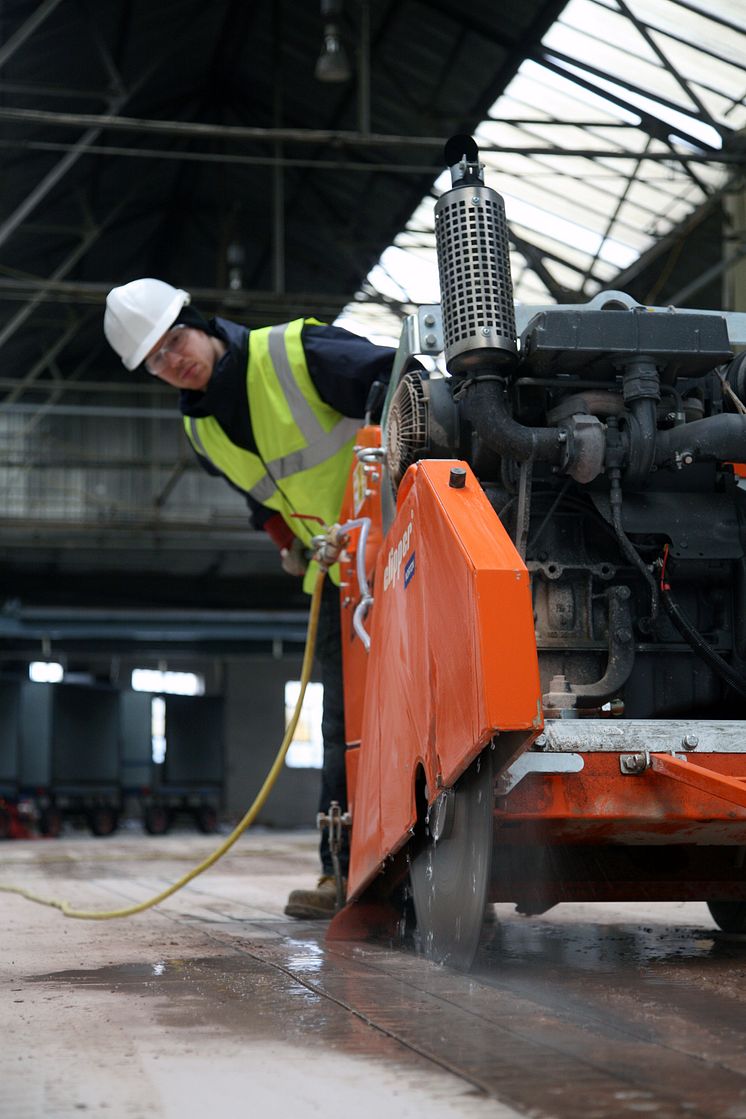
(333,64)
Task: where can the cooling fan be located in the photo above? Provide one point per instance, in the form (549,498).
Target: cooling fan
(407,427)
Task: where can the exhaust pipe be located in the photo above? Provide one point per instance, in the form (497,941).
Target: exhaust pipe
(476,290)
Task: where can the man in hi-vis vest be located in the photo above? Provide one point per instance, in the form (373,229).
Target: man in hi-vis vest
(274,411)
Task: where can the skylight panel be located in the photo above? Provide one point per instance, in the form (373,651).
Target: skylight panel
(598,212)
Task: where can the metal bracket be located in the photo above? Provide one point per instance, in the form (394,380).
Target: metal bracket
(531,762)
(336,821)
(680,767)
(427,330)
(628,736)
(633,764)
(440,815)
(370,455)
(422,333)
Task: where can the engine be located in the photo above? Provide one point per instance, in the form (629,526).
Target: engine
(605,438)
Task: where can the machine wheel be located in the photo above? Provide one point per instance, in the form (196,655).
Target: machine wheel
(156,819)
(730,916)
(50,822)
(103,820)
(450,876)
(206,819)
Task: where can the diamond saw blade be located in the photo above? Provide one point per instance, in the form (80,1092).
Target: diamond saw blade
(450,877)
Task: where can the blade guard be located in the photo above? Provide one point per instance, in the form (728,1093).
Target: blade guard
(453,659)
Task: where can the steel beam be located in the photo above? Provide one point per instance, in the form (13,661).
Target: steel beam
(278,172)
(95,293)
(50,180)
(707,276)
(37,89)
(655,127)
(177,472)
(59,273)
(434,169)
(534,258)
(93,387)
(610,224)
(67,462)
(363,70)
(718,19)
(61,385)
(679,232)
(339,137)
(79,148)
(27,29)
(97,388)
(36,370)
(666,62)
(113,411)
(116,82)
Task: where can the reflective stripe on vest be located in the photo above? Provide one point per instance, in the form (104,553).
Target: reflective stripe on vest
(320,443)
(262,491)
(305,420)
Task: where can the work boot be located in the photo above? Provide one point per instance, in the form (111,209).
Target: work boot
(315,905)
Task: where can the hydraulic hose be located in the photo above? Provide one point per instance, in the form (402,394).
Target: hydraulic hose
(107,915)
(482,402)
(642,391)
(642,441)
(720,437)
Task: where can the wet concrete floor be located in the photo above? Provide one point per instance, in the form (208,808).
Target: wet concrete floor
(215,998)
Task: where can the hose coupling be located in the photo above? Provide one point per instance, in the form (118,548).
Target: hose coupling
(328,546)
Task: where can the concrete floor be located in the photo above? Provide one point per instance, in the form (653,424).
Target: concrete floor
(215,1000)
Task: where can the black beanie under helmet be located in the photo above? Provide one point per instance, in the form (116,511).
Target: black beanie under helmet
(190,316)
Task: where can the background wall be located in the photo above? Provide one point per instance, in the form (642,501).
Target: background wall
(254,690)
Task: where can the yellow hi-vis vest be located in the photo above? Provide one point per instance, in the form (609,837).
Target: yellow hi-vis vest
(305,446)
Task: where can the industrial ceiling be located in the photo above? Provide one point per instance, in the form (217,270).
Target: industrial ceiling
(196,142)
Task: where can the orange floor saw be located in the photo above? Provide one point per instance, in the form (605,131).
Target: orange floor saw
(544,603)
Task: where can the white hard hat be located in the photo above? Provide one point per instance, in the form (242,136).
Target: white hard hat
(138,314)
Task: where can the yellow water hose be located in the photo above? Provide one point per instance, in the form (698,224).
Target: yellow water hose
(240,828)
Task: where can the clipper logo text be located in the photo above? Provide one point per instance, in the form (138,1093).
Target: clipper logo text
(397,554)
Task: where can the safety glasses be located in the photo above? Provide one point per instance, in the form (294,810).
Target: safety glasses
(174,342)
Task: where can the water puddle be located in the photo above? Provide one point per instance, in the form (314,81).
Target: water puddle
(588,947)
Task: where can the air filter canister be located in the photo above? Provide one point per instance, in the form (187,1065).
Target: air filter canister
(476,290)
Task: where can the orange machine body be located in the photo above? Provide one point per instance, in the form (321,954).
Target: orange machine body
(444,664)
(452,662)
(601,805)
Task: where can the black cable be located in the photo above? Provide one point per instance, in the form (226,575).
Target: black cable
(697,642)
(628,548)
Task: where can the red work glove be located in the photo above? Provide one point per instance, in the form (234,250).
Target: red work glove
(279,531)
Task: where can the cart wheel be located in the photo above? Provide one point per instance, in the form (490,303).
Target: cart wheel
(156,819)
(730,916)
(50,822)
(103,820)
(206,819)
(6,824)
